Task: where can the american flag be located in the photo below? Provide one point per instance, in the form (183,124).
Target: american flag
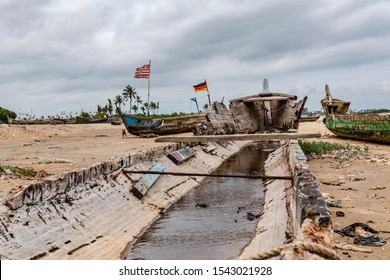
(142,72)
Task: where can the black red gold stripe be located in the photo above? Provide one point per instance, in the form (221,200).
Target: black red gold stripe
(201,87)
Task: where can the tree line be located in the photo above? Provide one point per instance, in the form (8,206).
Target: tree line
(136,104)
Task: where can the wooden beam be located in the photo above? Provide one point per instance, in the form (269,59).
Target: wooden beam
(236,137)
(261,177)
(268,98)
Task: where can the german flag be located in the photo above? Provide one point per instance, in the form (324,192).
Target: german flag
(201,87)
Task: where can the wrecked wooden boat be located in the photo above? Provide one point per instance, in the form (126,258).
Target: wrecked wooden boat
(164,126)
(264,112)
(367,127)
(84,120)
(80,206)
(309,118)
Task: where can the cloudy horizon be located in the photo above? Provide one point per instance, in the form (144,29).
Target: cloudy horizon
(73,55)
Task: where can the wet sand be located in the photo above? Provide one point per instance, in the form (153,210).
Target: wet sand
(64,148)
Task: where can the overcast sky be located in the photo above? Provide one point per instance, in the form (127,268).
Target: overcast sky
(71,55)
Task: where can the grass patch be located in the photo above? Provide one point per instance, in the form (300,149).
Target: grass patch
(320,147)
(26,171)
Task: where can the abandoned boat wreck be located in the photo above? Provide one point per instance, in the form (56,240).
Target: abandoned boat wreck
(80,215)
(264,112)
(367,127)
(309,118)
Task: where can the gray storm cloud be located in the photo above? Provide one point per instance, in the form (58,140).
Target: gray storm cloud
(68,55)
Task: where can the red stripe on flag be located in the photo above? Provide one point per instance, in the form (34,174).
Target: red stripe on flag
(200,87)
(142,72)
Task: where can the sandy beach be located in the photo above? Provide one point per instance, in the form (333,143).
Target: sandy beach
(358,179)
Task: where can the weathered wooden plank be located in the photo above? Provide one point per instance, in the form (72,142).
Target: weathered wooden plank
(181,155)
(261,177)
(268,98)
(236,137)
(292,97)
(142,186)
(275,218)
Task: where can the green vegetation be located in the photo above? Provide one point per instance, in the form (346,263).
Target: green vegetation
(160,116)
(320,147)
(26,171)
(5,114)
(373,111)
(137,106)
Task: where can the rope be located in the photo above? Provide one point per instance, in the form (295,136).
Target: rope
(279,108)
(314,248)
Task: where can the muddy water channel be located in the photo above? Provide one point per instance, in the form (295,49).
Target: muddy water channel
(212,221)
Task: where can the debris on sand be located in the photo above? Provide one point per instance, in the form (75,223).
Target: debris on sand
(352,248)
(340,213)
(202,205)
(364,235)
(331,202)
(250,216)
(333,182)
(377,188)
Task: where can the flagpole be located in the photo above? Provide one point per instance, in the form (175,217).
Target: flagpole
(208,93)
(150,70)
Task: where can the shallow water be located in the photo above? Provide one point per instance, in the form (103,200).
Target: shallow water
(212,221)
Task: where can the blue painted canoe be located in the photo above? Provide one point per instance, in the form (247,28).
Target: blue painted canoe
(141,123)
(139,126)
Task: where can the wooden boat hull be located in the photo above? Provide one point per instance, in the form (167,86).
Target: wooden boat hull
(80,120)
(368,127)
(361,127)
(138,126)
(309,118)
(99,120)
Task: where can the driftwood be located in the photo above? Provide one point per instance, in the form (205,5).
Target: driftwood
(352,248)
(236,137)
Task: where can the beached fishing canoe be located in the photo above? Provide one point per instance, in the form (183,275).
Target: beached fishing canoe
(164,126)
(367,127)
(83,120)
(309,118)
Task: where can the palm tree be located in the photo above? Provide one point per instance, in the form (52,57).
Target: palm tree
(135,108)
(104,110)
(99,111)
(128,94)
(138,100)
(109,107)
(143,109)
(205,106)
(153,106)
(118,101)
(147,107)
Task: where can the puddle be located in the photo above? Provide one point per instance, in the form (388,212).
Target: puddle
(215,220)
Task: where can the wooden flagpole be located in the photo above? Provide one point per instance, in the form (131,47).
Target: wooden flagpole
(150,71)
(208,93)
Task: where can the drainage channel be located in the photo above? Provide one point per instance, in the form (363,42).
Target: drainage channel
(215,220)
